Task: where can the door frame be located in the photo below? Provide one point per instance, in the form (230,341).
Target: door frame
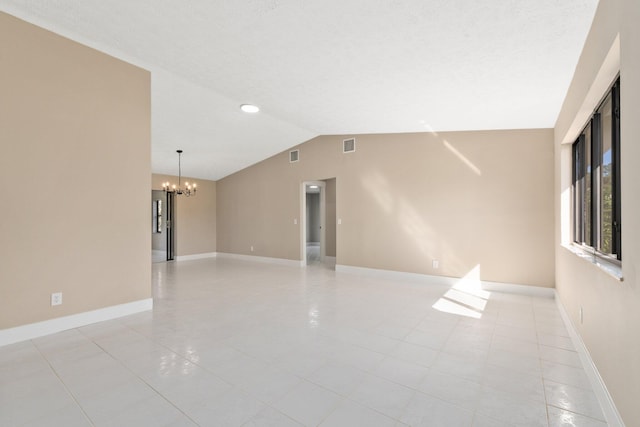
(303,220)
(170,222)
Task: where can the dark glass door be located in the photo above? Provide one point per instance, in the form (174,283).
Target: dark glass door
(170,221)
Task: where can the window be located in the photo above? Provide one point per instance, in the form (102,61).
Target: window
(156,208)
(596,179)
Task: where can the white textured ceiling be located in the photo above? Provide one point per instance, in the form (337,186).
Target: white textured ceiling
(327,67)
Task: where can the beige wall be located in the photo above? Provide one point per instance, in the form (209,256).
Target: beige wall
(195,217)
(464,198)
(75,135)
(611,324)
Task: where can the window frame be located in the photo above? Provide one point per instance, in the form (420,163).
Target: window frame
(587,231)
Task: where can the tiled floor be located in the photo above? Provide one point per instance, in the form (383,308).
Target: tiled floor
(232,343)
(158,256)
(313,253)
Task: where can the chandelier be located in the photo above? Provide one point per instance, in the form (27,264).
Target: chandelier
(189,190)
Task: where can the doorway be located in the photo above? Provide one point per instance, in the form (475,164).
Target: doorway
(162,230)
(318,232)
(314,225)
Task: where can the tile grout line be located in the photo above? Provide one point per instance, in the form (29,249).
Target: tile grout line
(121,363)
(63,383)
(205,368)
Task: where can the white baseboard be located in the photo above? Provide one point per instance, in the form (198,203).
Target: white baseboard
(196,256)
(513,288)
(47,327)
(267,260)
(609,409)
(390,274)
(448,281)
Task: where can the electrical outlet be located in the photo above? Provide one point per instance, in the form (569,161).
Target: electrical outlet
(339,221)
(295,221)
(56,298)
(251,248)
(435,263)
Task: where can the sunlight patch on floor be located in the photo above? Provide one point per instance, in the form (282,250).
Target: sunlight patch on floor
(466,297)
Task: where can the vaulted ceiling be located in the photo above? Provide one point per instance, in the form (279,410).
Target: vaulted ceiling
(327,67)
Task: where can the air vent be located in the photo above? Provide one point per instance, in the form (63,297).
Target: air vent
(349,145)
(294,156)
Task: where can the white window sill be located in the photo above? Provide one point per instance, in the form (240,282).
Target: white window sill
(612,269)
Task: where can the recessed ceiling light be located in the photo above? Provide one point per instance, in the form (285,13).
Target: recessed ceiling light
(313,186)
(248,108)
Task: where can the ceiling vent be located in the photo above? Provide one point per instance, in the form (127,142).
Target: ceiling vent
(294,156)
(349,145)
